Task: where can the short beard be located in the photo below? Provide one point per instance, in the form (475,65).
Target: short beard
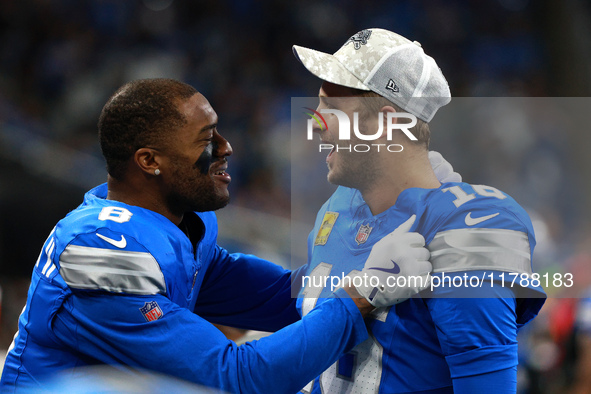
(196,192)
(203,202)
(357,171)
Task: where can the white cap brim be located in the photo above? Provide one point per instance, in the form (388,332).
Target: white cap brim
(327,67)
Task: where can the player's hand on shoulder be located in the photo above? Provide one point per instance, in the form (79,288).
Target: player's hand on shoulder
(397,268)
(442,169)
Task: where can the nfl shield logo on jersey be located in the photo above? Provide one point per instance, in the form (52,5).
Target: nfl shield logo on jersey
(151,311)
(362,234)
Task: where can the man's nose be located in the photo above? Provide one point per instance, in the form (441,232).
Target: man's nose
(222,147)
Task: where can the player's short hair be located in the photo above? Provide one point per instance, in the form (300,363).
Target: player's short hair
(376,102)
(141,113)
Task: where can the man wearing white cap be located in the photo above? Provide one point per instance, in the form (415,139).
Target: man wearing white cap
(445,339)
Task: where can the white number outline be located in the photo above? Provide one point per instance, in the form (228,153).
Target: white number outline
(462,197)
(116,214)
(368,354)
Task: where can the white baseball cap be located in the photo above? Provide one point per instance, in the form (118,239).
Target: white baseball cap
(387,64)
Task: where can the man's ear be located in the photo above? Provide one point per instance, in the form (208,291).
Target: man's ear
(385,110)
(148,160)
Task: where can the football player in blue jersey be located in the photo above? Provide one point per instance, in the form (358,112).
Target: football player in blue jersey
(461,334)
(134,278)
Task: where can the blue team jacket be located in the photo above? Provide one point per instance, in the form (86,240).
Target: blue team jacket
(121,285)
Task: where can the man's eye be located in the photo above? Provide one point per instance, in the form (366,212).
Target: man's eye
(331,104)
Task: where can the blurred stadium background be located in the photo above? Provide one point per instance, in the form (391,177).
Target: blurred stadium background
(61,59)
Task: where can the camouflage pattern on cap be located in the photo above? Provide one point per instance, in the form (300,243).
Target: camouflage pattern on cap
(327,67)
(362,59)
(386,63)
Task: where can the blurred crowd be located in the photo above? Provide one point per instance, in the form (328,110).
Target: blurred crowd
(61,59)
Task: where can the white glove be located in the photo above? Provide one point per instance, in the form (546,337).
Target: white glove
(442,169)
(397,268)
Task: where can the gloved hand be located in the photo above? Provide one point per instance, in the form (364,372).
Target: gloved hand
(397,268)
(443,170)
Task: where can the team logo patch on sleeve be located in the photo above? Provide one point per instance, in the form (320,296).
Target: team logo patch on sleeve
(151,311)
(327,223)
(363,234)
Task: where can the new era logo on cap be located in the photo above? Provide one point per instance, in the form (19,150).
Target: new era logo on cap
(392,86)
(385,63)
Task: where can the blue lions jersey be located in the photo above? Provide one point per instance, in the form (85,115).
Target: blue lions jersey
(442,338)
(121,285)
